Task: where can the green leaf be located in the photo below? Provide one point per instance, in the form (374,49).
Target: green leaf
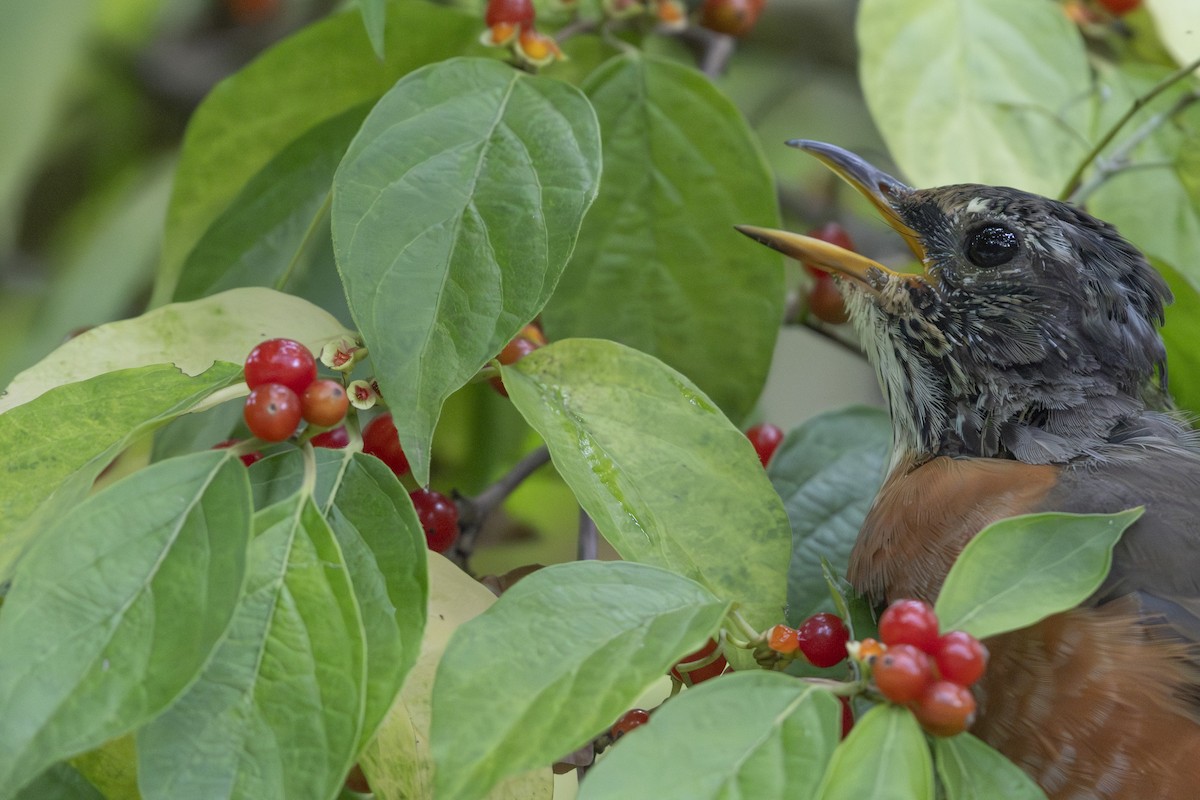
(558,657)
(757,734)
(91,635)
(454,212)
(60,782)
(278,712)
(1023,569)
(658,266)
(310,77)
(976,90)
(264,237)
(397,761)
(374,16)
(1180,334)
(666,477)
(970,770)
(884,758)
(190,335)
(828,471)
(383,544)
(56,446)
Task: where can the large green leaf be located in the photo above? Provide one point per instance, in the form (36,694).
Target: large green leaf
(558,657)
(1023,569)
(278,712)
(828,471)
(757,734)
(970,770)
(1180,334)
(976,90)
(658,266)
(318,73)
(383,544)
(56,446)
(267,234)
(190,335)
(884,758)
(116,609)
(666,477)
(60,782)
(454,212)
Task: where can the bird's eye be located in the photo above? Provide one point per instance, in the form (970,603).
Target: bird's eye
(991,246)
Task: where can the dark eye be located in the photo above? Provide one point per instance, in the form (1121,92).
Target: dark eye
(991,246)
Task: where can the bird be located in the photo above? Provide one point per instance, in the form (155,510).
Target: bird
(1024,371)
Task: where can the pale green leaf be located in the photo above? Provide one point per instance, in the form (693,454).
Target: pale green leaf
(658,266)
(1177,23)
(224,327)
(397,762)
(976,91)
(666,477)
(556,660)
(91,640)
(760,735)
(884,758)
(1023,569)
(828,471)
(970,770)
(454,212)
(57,445)
(374,15)
(278,711)
(314,75)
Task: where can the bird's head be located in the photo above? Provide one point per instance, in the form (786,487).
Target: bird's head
(1030,333)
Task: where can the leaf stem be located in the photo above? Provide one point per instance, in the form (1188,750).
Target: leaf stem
(588,538)
(1138,104)
(474,511)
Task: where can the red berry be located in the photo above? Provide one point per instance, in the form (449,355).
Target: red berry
(515,350)
(282,361)
(910,622)
(822,638)
(272,412)
(513,12)
(701,665)
(732,17)
(783,639)
(945,709)
(833,233)
(381,440)
(633,718)
(334,439)
(903,673)
(438,516)
(825,301)
(324,403)
(1120,7)
(247,459)
(847,716)
(765,438)
(960,658)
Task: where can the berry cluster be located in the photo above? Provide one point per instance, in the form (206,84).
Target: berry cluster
(821,639)
(825,298)
(282,376)
(529,339)
(928,672)
(707,662)
(766,438)
(437,513)
(510,23)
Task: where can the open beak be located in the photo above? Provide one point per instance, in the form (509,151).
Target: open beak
(881,189)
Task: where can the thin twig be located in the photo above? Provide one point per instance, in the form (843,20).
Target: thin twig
(1138,104)
(588,538)
(1120,160)
(473,512)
